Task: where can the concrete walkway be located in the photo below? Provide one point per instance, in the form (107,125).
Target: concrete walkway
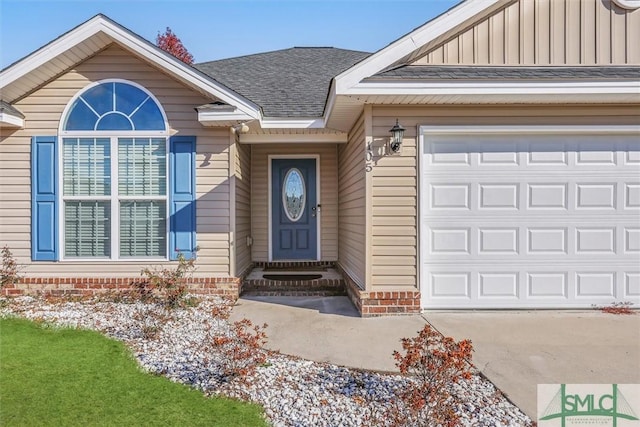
(328,329)
(516,350)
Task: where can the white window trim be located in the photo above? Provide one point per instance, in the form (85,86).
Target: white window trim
(270,159)
(114,197)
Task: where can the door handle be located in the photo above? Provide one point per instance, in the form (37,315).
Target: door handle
(315,209)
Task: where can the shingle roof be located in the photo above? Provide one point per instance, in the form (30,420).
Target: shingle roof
(429,72)
(5,106)
(285,83)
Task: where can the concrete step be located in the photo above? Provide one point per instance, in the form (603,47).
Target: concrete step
(324,282)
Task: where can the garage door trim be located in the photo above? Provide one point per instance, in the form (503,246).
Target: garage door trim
(429,131)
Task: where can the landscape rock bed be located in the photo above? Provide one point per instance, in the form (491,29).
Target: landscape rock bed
(294,392)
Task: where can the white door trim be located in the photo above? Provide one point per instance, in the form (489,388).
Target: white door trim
(271,157)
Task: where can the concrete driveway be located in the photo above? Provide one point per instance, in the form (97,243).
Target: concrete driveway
(516,350)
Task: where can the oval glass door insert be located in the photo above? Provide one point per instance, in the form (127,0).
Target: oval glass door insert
(293,194)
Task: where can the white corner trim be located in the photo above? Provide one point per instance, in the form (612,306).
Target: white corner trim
(308,138)
(410,42)
(289,123)
(10,120)
(448,87)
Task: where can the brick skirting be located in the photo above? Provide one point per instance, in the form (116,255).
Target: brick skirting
(381,303)
(87,286)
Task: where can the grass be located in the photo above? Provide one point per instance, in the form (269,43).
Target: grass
(67,377)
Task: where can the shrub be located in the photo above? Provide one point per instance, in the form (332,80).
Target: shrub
(434,362)
(150,320)
(241,346)
(168,284)
(617,308)
(10,273)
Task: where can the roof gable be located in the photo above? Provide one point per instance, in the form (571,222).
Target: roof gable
(91,37)
(543,32)
(466,11)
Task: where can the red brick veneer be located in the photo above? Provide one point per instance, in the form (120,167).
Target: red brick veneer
(229,286)
(381,303)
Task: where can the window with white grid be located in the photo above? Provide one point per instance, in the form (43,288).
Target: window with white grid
(114,174)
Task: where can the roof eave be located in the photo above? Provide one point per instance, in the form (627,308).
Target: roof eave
(402,47)
(520,88)
(134,43)
(411,41)
(8,120)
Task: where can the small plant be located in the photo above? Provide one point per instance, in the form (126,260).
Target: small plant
(169,284)
(616,308)
(150,321)
(435,362)
(241,347)
(10,273)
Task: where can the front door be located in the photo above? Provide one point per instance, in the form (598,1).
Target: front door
(294,209)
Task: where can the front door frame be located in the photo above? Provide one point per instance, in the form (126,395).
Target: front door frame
(271,157)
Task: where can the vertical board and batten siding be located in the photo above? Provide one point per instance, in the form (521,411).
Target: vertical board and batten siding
(43,109)
(352,204)
(328,195)
(394,185)
(546,32)
(243,207)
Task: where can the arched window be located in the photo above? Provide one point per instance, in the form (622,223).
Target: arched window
(114,173)
(114,106)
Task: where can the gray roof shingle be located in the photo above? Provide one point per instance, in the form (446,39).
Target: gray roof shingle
(291,82)
(430,72)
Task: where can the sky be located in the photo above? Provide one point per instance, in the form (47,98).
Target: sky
(216,29)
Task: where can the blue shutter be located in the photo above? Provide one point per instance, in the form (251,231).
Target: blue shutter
(182,197)
(44,200)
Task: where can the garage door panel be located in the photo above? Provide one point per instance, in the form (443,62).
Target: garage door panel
(632,285)
(632,195)
(542,287)
(500,193)
(538,221)
(580,240)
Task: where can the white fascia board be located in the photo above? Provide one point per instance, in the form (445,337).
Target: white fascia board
(178,68)
(138,45)
(531,129)
(291,123)
(309,138)
(49,51)
(214,116)
(410,42)
(495,88)
(10,120)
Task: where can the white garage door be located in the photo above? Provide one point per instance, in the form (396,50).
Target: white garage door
(529,220)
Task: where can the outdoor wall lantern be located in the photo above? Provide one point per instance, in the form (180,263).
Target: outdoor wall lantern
(397,133)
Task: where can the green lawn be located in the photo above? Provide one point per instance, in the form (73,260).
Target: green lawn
(66,377)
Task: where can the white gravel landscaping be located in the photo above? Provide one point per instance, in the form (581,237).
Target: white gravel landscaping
(293,392)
